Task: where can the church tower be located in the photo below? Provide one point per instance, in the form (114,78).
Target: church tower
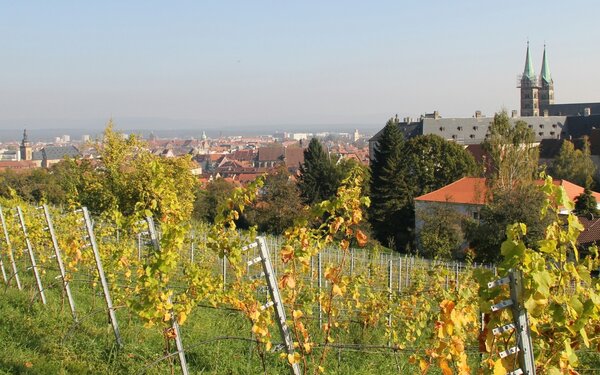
(529,89)
(546,90)
(25,147)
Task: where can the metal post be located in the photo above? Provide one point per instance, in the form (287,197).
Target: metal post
(523,348)
(36,274)
(174,324)
(277,301)
(192,248)
(139,246)
(11,255)
(351,262)
(109,305)
(61,266)
(320,285)
(399,274)
(224,270)
(390,268)
(521,322)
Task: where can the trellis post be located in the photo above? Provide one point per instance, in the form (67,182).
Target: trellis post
(29,250)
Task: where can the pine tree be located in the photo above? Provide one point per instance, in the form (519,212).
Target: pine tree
(586,204)
(389,201)
(319,177)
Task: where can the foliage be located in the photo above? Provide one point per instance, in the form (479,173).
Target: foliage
(319,177)
(558,292)
(433,162)
(586,205)
(33,186)
(210,197)
(514,156)
(389,201)
(574,165)
(522,204)
(278,205)
(440,231)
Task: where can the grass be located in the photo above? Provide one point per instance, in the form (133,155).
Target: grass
(43,339)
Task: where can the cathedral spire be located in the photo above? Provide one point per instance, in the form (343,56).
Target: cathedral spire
(528,71)
(546,78)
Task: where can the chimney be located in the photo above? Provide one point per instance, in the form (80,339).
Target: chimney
(514,113)
(477,114)
(587,111)
(545,113)
(436,114)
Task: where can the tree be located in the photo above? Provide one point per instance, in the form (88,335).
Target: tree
(433,162)
(210,197)
(586,205)
(440,232)
(319,178)
(389,201)
(278,205)
(573,165)
(514,156)
(519,205)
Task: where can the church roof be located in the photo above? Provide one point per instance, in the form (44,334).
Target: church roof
(545,74)
(56,153)
(528,72)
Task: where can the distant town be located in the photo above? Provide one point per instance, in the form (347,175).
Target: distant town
(239,159)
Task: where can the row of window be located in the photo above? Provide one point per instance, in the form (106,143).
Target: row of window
(460,128)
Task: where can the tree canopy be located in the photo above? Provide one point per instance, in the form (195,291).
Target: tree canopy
(319,178)
(573,165)
(278,204)
(514,155)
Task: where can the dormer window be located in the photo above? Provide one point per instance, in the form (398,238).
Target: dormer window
(475,127)
(459,128)
(442,128)
(472,136)
(541,134)
(541,126)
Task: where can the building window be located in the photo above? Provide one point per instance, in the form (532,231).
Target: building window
(475,215)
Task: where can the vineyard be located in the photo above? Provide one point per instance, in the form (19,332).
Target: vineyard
(156,294)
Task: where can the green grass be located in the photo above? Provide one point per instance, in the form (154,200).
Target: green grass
(38,339)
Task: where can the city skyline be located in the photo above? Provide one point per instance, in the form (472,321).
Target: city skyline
(236,65)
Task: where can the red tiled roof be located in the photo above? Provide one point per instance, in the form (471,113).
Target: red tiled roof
(591,233)
(473,190)
(294,156)
(467,190)
(270,153)
(16,165)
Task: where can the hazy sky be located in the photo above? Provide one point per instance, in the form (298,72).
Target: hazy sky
(244,63)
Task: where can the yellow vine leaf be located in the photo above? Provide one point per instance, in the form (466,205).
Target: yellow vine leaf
(499,368)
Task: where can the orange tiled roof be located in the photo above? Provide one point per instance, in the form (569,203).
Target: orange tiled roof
(473,190)
(467,190)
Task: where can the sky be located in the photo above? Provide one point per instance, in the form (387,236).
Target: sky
(282,64)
